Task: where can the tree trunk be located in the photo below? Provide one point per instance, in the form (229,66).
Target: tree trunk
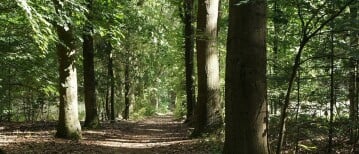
(91,119)
(189,51)
(111,78)
(107,101)
(246,107)
(353,83)
(274,104)
(172,101)
(127,87)
(332,95)
(208,112)
(297,113)
(9,95)
(68,126)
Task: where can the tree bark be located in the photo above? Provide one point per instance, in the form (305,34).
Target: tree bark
(68,126)
(246,106)
(208,112)
(189,52)
(91,119)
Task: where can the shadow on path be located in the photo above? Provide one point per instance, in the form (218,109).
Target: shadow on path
(159,134)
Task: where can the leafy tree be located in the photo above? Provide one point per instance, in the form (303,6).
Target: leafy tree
(307,33)
(69,125)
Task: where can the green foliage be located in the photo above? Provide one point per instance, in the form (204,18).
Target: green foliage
(39,22)
(180,110)
(147,35)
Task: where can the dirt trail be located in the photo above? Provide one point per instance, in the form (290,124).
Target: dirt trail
(159,134)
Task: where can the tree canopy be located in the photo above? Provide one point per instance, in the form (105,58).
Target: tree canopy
(284,68)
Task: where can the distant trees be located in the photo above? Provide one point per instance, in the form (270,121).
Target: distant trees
(246,87)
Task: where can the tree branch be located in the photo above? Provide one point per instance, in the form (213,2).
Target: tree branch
(331,18)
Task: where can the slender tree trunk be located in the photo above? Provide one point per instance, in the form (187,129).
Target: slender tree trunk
(189,52)
(219,17)
(68,126)
(283,118)
(127,86)
(208,111)
(172,102)
(246,86)
(353,107)
(297,113)
(353,83)
(276,38)
(107,101)
(9,103)
(332,97)
(91,119)
(25,108)
(106,113)
(274,104)
(111,77)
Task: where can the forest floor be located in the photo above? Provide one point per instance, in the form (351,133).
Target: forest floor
(158,134)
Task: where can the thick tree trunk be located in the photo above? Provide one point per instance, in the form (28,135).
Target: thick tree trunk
(91,119)
(246,107)
(208,112)
(189,51)
(68,125)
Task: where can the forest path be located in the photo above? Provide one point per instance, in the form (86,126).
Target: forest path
(158,134)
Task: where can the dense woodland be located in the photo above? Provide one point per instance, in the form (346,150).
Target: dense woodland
(179,76)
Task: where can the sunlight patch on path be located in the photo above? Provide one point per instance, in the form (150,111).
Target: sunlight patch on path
(24,136)
(158,133)
(120,143)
